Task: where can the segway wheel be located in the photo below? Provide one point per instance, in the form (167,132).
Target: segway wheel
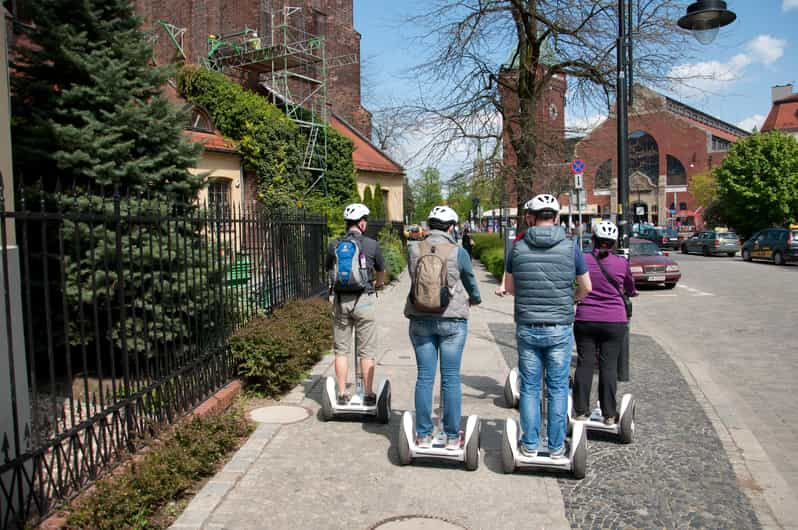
(384,404)
(472,449)
(404,447)
(326,405)
(579,464)
(508,459)
(509,397)
(627,427)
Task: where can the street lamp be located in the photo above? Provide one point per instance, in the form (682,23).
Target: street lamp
(705,17)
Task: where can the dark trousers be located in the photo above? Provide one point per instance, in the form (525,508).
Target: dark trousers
(602,340)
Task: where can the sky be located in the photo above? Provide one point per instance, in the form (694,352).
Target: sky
(736,72)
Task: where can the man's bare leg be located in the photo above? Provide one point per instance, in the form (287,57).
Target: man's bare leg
(341,371)
(367,369)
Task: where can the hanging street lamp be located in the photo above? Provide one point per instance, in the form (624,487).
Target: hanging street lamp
(705,17)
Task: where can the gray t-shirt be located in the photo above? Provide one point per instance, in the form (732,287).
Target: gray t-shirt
(369,247)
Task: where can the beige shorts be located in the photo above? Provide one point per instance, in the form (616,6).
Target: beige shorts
(355,313)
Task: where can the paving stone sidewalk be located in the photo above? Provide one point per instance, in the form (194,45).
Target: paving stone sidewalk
(345,474)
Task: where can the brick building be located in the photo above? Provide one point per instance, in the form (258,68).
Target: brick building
(783,114)
(669,143)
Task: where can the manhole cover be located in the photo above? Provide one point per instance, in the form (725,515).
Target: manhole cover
(279,414)
(417,522)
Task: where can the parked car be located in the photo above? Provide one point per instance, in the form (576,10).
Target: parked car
(779,245)
(650,265)
(663,237)
(710,242)
(413,233)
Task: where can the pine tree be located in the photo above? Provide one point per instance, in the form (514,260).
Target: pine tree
(379,202)
(88,106)
(368,198)
(89,112)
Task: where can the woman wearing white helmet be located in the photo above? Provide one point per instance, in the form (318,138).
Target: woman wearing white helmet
(442,290)
(601,324)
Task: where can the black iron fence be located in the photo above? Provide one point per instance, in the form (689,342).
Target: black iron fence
(116,314)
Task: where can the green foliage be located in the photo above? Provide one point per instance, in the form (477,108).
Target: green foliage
(458,195)
(758,182)
(493,259)
(87,103)
(368,198)
(379,203)
(273,354)
(172,280)
(426,193)
(409,200)
(271,144)
(165,474)
(393,251)
(483,241)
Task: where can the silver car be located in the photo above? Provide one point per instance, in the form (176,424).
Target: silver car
(712,242)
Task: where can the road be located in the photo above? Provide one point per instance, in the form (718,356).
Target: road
(731,327)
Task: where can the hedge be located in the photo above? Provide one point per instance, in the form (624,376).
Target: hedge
(272,354)
(489,249)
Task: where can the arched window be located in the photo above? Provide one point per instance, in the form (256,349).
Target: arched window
(644,155)
(677,176)
(199,120)
(604,175)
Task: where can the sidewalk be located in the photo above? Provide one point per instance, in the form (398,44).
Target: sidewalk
(345,474)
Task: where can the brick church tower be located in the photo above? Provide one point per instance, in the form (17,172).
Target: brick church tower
(192,22)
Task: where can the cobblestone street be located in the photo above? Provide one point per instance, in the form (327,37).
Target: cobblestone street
(675,474)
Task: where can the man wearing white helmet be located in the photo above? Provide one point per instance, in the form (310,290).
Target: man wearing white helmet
(601,324)
(541,269)
(443,288)
(354,303)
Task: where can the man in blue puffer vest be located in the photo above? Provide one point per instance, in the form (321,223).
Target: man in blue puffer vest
(541,269)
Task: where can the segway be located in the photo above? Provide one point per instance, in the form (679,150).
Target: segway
(468,453)
(330,408)
(624,428)
(575,460)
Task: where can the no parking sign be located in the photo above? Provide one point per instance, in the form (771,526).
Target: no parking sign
(578,166)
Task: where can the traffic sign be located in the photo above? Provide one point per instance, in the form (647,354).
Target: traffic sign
(578,181)
(578,166)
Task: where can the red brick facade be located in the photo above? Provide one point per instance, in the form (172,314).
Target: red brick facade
(686,142)
(330,18)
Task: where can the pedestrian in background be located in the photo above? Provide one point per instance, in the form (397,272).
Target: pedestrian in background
(468,245)
(601,324)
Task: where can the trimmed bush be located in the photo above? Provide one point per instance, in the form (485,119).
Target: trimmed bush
(393,251)
(489,249)
(483,241)
(273,354)
(167,473)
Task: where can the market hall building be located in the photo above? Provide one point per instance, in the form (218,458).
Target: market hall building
(669,143)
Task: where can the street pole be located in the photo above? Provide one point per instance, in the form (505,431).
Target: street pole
(623,126)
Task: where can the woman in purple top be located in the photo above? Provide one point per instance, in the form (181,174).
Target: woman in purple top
(601,324)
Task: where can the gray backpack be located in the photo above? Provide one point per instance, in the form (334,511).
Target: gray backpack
(429,291)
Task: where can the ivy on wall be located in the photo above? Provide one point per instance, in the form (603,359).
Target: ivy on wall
(272,145)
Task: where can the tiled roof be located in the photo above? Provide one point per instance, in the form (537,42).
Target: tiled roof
(366,155)
(211,141)
(783,115)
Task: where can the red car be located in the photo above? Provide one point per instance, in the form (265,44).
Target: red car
(652,266)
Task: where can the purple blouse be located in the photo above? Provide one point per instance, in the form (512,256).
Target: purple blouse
(604,304)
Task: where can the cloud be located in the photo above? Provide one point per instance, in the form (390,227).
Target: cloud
(786,5)
(582,125)
(752,121)
(696,80)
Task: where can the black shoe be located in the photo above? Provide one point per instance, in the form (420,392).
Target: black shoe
(370,400)
(343,399)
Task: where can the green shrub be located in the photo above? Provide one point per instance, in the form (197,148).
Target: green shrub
(273,354)
(134,498)
(493,259)
(393,251)
(483,241)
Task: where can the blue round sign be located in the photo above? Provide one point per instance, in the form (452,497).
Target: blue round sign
(578,166)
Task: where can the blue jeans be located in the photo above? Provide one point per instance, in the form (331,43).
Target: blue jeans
(429,337)
(539,348)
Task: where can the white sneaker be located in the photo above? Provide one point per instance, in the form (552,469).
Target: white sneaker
(559,453)
(528,453)
(453,443)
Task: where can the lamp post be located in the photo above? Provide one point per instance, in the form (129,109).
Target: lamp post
(703,18)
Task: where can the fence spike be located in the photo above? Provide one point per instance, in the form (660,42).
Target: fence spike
(5,447)
(27,435)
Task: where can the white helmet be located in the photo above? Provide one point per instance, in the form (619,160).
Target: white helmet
(356,212)
(443,214)
(542,202)
(606,230)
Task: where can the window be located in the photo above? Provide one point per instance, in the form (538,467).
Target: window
(219,200)
(199,121)
(682,206)
(644,155)
(604,175)
(677,176)
(720,144)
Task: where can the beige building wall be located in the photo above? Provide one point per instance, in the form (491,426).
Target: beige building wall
(392,185)
(222,166)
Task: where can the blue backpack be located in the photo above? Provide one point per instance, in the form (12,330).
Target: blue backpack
(350,274)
